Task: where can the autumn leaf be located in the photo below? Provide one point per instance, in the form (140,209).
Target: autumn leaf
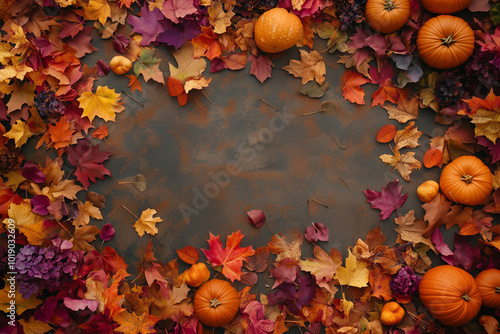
(104,103)
(151,267)
(231,258)
(310,67)
(405,111)
(261,67)
(199,83)
(386,133)
(387,92)
(323,266)
(188,254)
(134,83)
(432,157)
(177,9)
(259,261)
(61,133)
(83,236)
(405,163)
(101,132)
(435,212)
(170,302)
(40,232)
(147,223)
(88,161)
(21,304)
(352,91)
(286,246)
(32,326)
(379,281)
(131,323)
(355,273)
(149,66)
(85,211)
(20,133)
(219,19)
(22,215)
(97,10)
(387,201)
(410,229)
(408,137)
(187,65)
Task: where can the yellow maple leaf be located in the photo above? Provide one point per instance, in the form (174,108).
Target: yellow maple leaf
(21,304)
(187,65)
(354,273)
(487,123)
(132,323)
(18,71)
(219,19)
(196,84)
(310,67)
(21,214)
(104,103)
(32,326)
(147,223)
(405,163)
(85,211)
(20,132)
(408,137)
(97,10)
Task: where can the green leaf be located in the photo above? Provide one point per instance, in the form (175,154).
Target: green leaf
(314,89)
(149,66)
(495,13)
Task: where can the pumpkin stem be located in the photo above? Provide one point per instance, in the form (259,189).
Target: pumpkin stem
(389,5)
(214,303)
(448,40)
(497,289)
(466,298)
(467,179)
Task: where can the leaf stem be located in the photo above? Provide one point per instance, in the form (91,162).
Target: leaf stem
(133,214)
(269,104)
(133,98)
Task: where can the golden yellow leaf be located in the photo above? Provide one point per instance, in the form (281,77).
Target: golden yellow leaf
(487,123)
(408,137)
(218,18)
(85,211)
(310,67)
(405,163)
(21,214)
(7,296)
(354,273)
(187,65)
(97,10)
(131,323)
(104,103)
(147,223)
(32,326)
(82,237)
(20,132)
(66,188)
(18,71)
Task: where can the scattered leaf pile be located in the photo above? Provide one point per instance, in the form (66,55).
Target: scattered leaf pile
(51,100)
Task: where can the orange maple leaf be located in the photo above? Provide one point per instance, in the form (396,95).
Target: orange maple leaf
(206,44)
(379,281)
(386,92)
(60,133)
(231,258)
(134,83)
(490,102)
(352,91)
(132,323)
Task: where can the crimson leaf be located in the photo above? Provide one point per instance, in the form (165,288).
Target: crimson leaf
(387,201)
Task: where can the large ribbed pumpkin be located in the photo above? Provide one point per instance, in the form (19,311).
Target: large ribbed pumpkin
(451,295)
(445,6)
(488,283)
(277,30)
(387,16)
(466,180)
(216,303)
(445,42)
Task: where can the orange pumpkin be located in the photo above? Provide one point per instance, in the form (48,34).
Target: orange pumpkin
(445,42)
(216,303)
(488,283)
(387,16)
(466,180)
(450,294)
(392,314)
(427,190)
(120,65)
(197,274)
(445,6)
(277,30)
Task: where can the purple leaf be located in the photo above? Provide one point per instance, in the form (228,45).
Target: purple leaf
(40,203)
(465,256)
(494,148)
(102,68)
(107,232)
(316,232)
(80,304)
(442,247)
(387,201)
(256,217)
(294,295)
(177,34)
(378,43)
(148,24)
(33,173)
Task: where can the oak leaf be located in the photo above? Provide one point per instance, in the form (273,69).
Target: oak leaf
(104,103)
(405,111)
(351,87)
(405,163)
(147,223)
(355,273)
(231,258)
(219,19)
(310,67)
(410,229)
(286,247)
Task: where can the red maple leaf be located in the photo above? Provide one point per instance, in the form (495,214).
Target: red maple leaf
(387,201)
(352,90)
(231,258)
(386,92)
(88,161)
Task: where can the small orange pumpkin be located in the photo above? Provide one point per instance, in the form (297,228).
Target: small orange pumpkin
(277,30)
(488,283)
(197,274)
(427,190)
(445,6)
(216,303)
(451,295)
(466,180)
(445,42)
(120,65)
(392,314)
(387,16)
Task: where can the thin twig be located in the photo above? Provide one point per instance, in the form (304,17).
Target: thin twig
(308,211)
(133,98)
(133,214)
(208,98)
(326,206)
(314,112)
(269,104)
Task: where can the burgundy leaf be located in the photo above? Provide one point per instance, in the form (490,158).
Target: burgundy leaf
(33,173)
(387,201)
(256,217)
(40,203)
(316,232)
(107,232)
